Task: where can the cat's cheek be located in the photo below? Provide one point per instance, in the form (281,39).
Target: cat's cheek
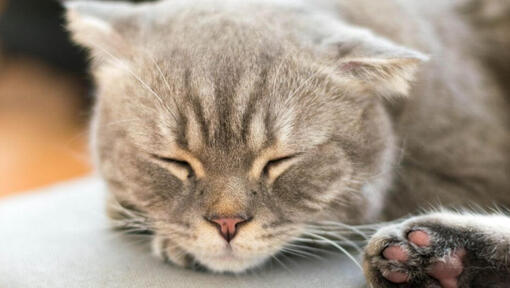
(169,251)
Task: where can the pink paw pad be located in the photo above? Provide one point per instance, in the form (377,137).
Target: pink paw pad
(395,252)
(448,270)
(419,238)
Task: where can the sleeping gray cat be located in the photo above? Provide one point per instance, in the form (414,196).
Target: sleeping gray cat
(232,129)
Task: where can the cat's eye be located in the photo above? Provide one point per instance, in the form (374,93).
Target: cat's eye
(179,168)
(277,166)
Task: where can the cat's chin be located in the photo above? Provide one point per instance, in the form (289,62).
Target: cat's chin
(229,263)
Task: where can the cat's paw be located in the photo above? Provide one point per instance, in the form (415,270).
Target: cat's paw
(413,259)
(429,252)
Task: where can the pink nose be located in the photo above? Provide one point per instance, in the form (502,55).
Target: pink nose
(228,226)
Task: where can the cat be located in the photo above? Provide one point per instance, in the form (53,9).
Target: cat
(231,130)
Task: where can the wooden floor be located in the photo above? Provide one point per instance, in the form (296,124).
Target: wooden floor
(43,137)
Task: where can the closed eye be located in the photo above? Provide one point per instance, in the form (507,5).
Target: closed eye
(275,162)
(179,168)
(275,167)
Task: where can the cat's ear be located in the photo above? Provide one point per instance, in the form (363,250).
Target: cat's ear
(375,62)
(96,25)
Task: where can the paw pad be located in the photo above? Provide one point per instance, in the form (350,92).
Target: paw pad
(419,238)
(448,270)
(406,253)
(395,252)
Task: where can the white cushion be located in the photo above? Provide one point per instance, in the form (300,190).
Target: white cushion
(60,237)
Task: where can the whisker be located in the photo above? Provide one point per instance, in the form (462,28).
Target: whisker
(275,257)
(122,65)
(309,241)
(301,253)
(166,84)
(355,229)
(307,247)
(352,258)
(343,239)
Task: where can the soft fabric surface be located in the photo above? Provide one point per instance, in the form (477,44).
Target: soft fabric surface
(60,237)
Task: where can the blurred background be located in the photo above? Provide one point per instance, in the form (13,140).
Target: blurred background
(44,98)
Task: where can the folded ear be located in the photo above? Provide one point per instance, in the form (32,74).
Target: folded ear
(377,63)
(96,25)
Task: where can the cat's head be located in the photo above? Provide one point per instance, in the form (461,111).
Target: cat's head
(229,130)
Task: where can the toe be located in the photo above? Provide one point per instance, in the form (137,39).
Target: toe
(395,252)
(419,238)
(396,277)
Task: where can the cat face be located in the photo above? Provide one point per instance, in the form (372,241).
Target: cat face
(230,144)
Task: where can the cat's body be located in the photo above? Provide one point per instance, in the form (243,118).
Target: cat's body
(454,129)
(443,128)
(266,117)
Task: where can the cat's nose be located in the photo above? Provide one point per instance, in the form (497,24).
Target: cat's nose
(228,226)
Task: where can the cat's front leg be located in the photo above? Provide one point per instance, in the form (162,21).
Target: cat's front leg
(446,250)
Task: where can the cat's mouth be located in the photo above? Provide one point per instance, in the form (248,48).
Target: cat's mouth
(252,246)
(206,246)
(237,256)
